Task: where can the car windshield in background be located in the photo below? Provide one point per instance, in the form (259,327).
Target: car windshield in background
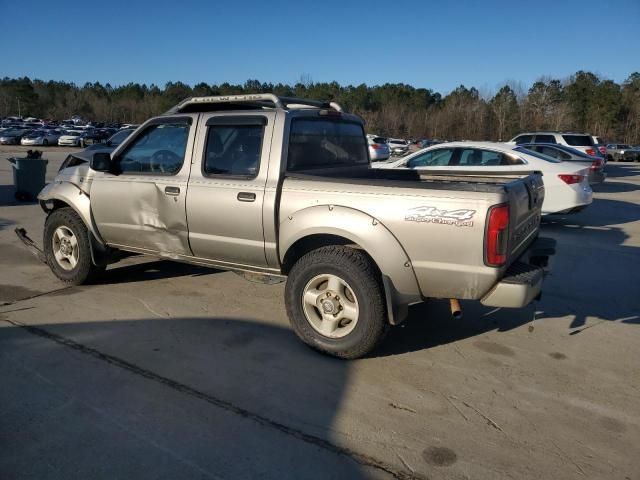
(623,147)
(578,140)
(321,143)
(119,137)
(541,156)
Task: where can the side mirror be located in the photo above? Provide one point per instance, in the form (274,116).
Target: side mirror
(100,162)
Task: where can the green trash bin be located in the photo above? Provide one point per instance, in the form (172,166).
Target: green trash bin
(28,177)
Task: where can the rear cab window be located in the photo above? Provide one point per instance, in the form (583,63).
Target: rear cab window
(578,140)
(318,143)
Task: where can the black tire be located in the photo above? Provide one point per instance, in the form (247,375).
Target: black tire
(84,270)
(364,280)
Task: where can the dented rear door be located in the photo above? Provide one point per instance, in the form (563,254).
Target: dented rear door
(142,204)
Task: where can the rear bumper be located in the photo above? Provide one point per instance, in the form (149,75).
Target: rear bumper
(522,282)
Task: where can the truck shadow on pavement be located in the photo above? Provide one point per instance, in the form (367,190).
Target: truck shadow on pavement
(151,270)
(192,397)
(592,257)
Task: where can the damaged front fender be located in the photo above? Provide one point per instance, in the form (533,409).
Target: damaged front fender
(72,196)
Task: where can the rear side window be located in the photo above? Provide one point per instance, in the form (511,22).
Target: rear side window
(554,152)
(233,150)
(545,139)
(578,140)
(472,157)
(524,139)
(379,140)
(535,154)
(316,143)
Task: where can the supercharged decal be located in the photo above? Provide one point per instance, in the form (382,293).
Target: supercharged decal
(459,218)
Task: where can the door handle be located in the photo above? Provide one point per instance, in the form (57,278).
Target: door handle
(172,190)
(247,197)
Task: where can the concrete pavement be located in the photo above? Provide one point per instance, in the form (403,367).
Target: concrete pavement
(165,370)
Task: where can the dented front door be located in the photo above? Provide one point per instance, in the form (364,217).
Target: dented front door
(142,205)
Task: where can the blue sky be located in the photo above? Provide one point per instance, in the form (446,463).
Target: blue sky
(432,44)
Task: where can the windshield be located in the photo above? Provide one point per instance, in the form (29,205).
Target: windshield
(622,147)
(72,133)
(316,143)
(541,156)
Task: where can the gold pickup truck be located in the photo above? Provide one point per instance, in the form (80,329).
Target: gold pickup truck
(283,187)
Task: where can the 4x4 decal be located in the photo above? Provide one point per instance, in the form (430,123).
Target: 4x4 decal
(460,218)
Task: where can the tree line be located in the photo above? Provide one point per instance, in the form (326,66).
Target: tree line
(583,102)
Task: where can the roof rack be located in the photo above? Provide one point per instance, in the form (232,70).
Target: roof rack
(258,100)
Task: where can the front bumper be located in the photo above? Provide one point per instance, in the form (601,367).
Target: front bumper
(522,282)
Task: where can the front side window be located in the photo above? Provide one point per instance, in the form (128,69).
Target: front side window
(233,150)
(316,143)
(159,149)
(433,158)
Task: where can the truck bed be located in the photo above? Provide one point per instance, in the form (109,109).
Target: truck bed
(447,256)
(470,181)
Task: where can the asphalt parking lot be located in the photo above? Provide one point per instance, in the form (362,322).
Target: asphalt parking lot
(165,370)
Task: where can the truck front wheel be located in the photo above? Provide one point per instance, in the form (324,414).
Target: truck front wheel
(335,301)
(66,246)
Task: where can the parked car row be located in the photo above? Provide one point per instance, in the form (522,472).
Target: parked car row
(381,148)
(32,131)
(567,180)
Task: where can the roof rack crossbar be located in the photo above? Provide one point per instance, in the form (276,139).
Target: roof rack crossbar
(257,98)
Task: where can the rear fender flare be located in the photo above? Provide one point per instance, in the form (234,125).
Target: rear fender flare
(398,277)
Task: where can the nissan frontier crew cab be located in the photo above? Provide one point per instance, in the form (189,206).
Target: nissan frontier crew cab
(282,187)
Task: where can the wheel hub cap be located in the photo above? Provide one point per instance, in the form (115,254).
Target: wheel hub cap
(330,306)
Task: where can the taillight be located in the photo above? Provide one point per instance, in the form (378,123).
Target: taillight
(590,151)
(596,165)
(570,179)
(497,236)
(375,146)
(603,150)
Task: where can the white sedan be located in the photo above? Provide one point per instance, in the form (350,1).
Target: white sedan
(41,137)
(566,185)
(70,138)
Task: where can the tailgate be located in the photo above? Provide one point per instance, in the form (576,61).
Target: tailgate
(525,205)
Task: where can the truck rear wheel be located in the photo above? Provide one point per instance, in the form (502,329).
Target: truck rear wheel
(66,247)
(335,301)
